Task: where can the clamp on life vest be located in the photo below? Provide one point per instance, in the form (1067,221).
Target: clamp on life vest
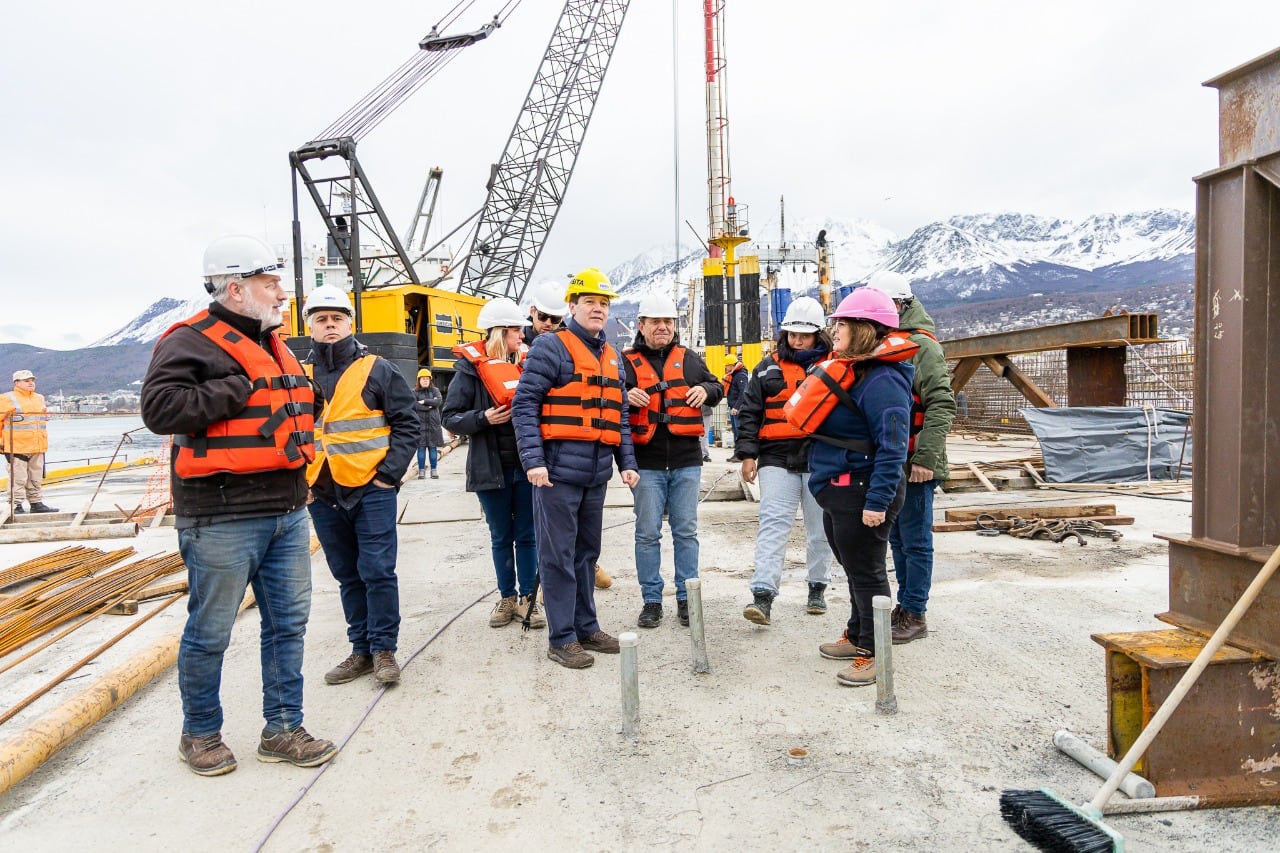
(589,406)
(498,376)
(667,398)
(275,429)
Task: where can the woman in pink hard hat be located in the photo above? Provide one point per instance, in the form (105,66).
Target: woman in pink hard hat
(857,405)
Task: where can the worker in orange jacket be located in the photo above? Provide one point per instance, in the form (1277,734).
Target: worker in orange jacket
(24,440)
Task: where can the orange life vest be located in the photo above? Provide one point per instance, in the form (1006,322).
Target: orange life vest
(666,397)
(817,395)
(352,439)
(275,428)
(589,406)
(498,375)
(773,424)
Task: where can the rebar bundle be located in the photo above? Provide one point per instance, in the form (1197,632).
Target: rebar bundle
(54,608)
(63,558)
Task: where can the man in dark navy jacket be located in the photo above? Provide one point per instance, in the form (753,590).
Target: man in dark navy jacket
(571,427)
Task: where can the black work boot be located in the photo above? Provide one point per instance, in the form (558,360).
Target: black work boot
(42,507)
(682,612)
(18,510)
(817,603)
(758,610)
(650,615)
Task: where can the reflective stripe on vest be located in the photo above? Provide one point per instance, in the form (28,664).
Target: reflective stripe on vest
(273,431)
(666,398)
(773,424)
(27,428)
(350,437)
(498,376)
(589,406)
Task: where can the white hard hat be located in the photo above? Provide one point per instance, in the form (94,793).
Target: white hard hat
(240,255)
(19,375)
(656,305)
(894,284)
(327,297)
(501,312)
(803,315)
(548,298)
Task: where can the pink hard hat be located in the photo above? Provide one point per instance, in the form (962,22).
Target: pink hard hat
(867,303)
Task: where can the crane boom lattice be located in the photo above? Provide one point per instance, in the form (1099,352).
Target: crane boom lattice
(529,182)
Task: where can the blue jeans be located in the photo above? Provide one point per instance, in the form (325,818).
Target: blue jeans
(781,494)
(676,493)
(270,554)
(569,521)
(422,457)
(360,548)
(509,513)
(911,541)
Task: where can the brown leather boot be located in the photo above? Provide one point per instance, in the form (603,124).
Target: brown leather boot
(909,627)
(385,668)
(296,747)
(206,755)
(571,656)
(350,669)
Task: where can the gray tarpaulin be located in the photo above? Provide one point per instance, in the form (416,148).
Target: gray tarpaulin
(1111,444)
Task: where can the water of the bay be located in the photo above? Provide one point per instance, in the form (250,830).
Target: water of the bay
(92,440)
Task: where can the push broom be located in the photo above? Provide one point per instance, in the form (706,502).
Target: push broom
(1052,823)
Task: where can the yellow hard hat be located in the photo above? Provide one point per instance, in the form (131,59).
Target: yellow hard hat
(424,372)
(590,281)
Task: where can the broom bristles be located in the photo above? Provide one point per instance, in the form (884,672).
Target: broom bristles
(1055,825)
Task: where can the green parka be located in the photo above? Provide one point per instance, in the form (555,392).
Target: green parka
(933,385)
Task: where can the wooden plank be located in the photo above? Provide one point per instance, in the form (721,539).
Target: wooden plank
(1024,383)
(963,372)
(958,526)
(1035,475)
(982,477)
(163,589)
(1035,511)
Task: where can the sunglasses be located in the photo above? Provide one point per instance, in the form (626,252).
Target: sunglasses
(548,317)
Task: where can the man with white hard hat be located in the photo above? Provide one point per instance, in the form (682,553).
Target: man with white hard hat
(24,440)
(367,432)
(547,310)
(933,408)
(240,410)
(667,387)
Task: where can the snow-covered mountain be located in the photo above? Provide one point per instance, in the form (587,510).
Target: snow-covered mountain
(152,323)
(962,260)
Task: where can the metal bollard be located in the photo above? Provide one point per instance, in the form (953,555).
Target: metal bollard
(886,702)
(630,682)
(697,629)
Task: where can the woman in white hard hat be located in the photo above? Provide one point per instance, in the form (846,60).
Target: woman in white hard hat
(479,405)
(778,453)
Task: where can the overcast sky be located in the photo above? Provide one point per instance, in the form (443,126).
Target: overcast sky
(135,132)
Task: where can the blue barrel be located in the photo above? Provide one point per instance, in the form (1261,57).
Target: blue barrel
(779,302)
(843,291)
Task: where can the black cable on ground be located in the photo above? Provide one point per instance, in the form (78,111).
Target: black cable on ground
(315,777)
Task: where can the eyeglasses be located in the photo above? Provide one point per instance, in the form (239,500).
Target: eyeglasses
(548,317)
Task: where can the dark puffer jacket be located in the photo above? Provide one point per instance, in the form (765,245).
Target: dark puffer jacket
(464,410)
(578,463)
(192,384)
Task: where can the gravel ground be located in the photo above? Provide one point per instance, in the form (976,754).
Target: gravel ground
(486,744)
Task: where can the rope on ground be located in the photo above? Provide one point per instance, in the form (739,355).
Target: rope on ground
(320,771)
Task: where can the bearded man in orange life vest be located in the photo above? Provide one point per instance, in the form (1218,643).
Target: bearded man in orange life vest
(571,429)
(24,438)
(933,408)
(667,387)
(366,434)
(240,410)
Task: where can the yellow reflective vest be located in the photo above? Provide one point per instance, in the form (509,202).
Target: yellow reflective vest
(350,436)
(23,419)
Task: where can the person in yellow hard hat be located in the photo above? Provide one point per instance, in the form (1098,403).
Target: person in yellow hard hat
(429,402)
(571,428)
